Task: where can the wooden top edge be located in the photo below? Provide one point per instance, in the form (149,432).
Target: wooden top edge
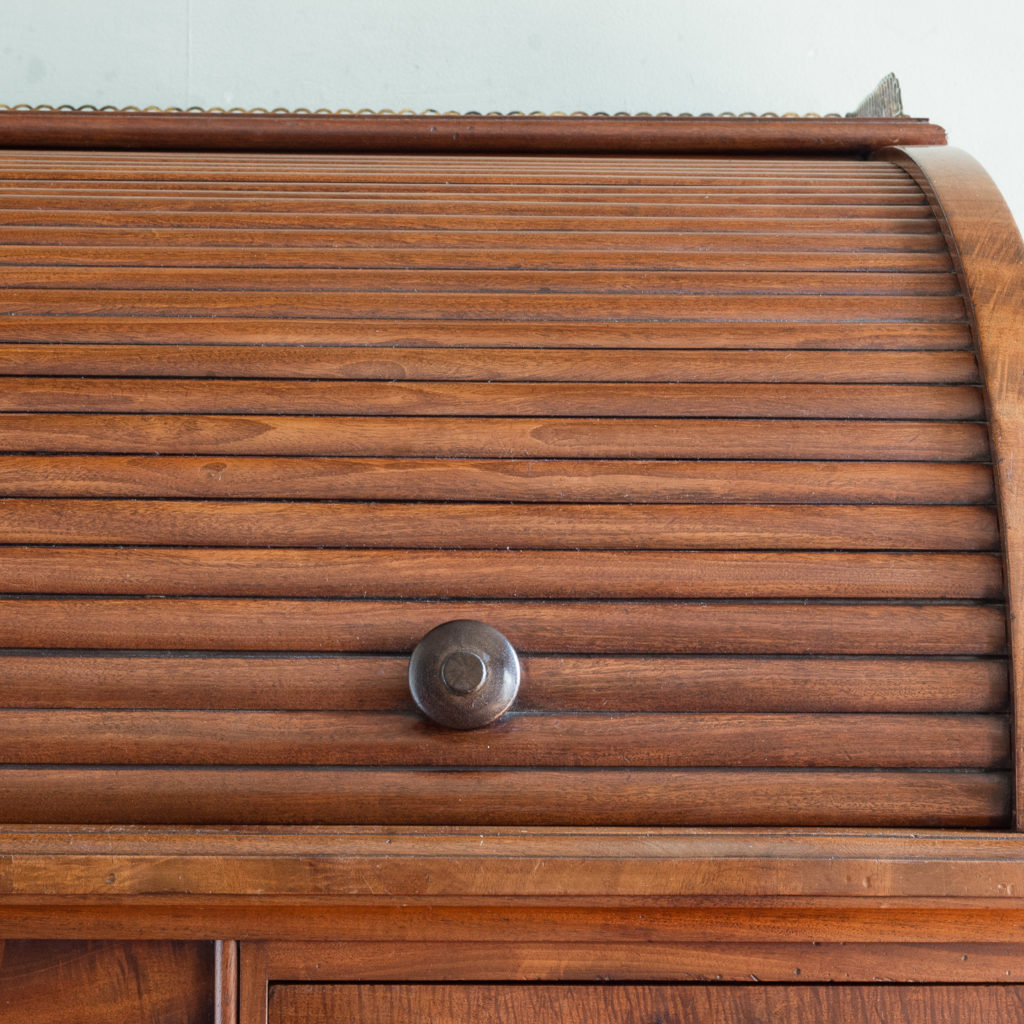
(125,863)
(597,134)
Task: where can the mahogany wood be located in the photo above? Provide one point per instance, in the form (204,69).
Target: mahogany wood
(382,133)
(436,364)
(469,526)
(99,982)
(743,1004)
(487,480)
(662,683)
(990,256)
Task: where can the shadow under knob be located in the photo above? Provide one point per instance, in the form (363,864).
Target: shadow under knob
(464,674)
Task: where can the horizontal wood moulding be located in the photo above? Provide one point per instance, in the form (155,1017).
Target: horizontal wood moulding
(574,740)
(466,525)
(582,627)
(449,437)
(486,305)
(563,797)
(487,364)
(932,875)
(673,1004)
(291,572)
(658,213)
(630,282)
(114,254)
(353,682)
(769,239)
(315,333)
(544,480)
(390,398)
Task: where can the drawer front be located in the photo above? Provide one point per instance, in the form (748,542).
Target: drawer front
(644,1004)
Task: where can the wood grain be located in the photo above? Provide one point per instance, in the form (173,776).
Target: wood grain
(525,740)
(990,256)
(487,364)
(384,333)
(605,627)
(685,1004)
(458,437)
(662,683)
(389,398)
(489,480)
(97,982)
(468,526)
(560,797)
(500,574)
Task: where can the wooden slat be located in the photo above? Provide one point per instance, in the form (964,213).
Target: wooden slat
(490,364)
(114,254)
(548,480)
(766,240)
(767,335)
(547,741)
(652,798)
(540,281)
(353,682)
(271,205)
(572,196)
(389,398)
(600,627)
(290,572)
(468,526)
(484,305)
(449,437)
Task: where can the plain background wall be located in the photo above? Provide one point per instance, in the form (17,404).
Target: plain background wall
(960,64)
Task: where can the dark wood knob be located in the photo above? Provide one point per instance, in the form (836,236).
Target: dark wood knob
(464,674)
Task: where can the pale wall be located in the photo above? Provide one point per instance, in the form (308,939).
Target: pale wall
(961,64)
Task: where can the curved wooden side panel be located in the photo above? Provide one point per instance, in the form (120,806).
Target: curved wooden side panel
(987,247)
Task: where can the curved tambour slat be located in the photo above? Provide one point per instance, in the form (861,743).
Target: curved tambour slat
(465,526)
(548,626)
(484,281)
(504,573)
(107,251)
(445,437)
(591,399)
(358,796)
(707,425)
(545,480)
(574,740)
(269,332)
(481,364)
(303,681)
(262,235)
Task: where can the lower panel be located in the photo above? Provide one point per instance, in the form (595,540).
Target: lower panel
(667,1004)
(92,982)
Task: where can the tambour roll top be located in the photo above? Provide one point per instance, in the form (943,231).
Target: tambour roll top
(704,435)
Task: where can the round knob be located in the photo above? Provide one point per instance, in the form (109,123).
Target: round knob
(464,674)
